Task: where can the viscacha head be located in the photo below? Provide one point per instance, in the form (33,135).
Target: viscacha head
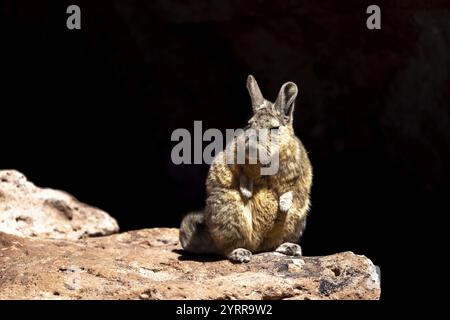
(269,130)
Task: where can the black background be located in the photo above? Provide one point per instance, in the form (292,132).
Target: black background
(91,111)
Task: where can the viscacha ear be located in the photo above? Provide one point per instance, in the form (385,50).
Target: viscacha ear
(285,102)
(255,94)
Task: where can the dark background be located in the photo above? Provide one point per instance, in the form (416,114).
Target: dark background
(91,111)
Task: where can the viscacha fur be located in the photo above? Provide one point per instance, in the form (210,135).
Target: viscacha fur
(247,212)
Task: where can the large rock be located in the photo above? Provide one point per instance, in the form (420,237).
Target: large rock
(149,264)
(26,210)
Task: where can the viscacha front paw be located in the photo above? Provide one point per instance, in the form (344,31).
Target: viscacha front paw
(286,201)
(246,186)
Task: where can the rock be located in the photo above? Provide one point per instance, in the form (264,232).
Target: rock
(29,211)
(149,264)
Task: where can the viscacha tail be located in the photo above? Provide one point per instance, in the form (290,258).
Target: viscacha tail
(194,234)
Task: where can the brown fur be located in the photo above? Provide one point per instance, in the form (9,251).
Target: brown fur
(257,224)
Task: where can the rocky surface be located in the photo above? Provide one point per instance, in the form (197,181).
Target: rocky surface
(46,253)
(30,211)
(149,264)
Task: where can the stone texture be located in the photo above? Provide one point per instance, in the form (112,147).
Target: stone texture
(149,264)
(29,211)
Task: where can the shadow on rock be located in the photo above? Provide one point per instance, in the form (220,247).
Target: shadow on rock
(189,256)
